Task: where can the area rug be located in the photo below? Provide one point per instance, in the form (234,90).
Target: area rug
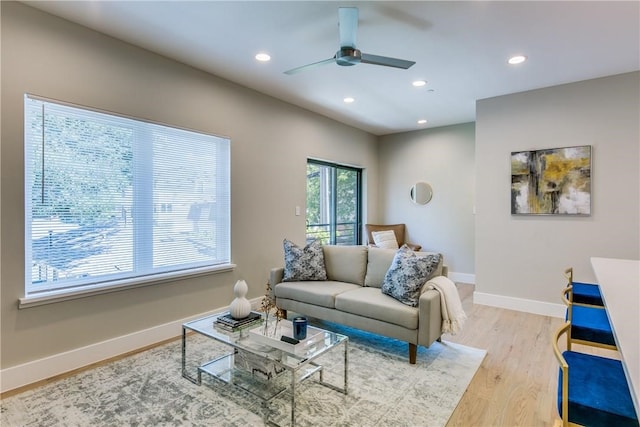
(147,389)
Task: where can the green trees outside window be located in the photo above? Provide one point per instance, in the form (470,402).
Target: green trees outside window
(334,200)
(110,199)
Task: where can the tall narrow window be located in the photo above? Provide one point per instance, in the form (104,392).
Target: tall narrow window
(111,199)
(334,194)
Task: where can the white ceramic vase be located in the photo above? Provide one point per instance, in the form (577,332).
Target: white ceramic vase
(240,307)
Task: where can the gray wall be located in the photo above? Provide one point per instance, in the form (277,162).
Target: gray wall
(524,256)
(443,157)
(270,142)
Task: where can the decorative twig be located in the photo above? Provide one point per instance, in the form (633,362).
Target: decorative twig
(267,304)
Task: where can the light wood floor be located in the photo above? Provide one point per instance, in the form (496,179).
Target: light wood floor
(516,383)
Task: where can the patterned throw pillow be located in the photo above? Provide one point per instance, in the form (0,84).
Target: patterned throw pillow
(406,275)
(302,264)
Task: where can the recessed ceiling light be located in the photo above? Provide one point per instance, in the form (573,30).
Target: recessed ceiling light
(518,59)
(419,83)
(349,100)
(263,57)
(422,121)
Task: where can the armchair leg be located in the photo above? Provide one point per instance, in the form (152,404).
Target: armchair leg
(413,350)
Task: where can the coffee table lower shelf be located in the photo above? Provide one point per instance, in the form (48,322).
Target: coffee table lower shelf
(223,369)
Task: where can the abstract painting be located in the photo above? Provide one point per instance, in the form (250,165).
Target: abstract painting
(554,181)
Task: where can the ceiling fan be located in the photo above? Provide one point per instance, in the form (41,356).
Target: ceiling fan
(348,54)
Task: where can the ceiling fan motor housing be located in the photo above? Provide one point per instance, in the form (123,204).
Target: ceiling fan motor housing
(348,56)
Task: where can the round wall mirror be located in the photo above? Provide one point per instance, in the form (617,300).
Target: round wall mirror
(421,193)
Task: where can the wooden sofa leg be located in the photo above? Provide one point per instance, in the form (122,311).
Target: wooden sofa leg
(413,350)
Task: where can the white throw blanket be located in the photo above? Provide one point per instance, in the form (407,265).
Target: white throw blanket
(453,316)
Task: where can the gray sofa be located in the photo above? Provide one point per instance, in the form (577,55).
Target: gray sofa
(351,296)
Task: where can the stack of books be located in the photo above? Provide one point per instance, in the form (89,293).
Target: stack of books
(228,324)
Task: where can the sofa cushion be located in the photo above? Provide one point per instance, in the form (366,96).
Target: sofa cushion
(303,263)
(345,263)
(380,260)
(378,264)
(385,239)
(316,293)
(371,303)
(407,274)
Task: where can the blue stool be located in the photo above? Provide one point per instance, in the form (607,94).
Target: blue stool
(592,390)
(587,293)
(584,293)
(589,324)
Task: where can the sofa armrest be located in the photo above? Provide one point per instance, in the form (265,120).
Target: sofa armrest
(275,276)
(429,317)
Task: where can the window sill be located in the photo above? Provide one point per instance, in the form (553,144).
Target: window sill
(67,295)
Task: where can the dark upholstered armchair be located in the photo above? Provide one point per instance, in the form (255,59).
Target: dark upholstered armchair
(398,230)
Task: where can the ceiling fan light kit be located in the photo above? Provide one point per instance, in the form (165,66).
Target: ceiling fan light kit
(348,54)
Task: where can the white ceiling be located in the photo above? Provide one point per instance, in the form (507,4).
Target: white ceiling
(460,48)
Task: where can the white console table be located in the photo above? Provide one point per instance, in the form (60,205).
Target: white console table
(619,281)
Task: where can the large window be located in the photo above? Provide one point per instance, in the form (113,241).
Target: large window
(114,201)
(334,194)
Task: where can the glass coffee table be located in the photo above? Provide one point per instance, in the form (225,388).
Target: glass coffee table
(278,367)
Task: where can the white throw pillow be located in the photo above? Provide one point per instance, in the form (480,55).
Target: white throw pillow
(385,239)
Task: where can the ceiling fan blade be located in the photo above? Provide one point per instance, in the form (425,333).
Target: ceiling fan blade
(310,66)
(386,61)
(348,23)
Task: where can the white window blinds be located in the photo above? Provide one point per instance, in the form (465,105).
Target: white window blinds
(110,198)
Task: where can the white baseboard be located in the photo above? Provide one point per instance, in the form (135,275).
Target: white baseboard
(520,304)
(57,364)
(462,277)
